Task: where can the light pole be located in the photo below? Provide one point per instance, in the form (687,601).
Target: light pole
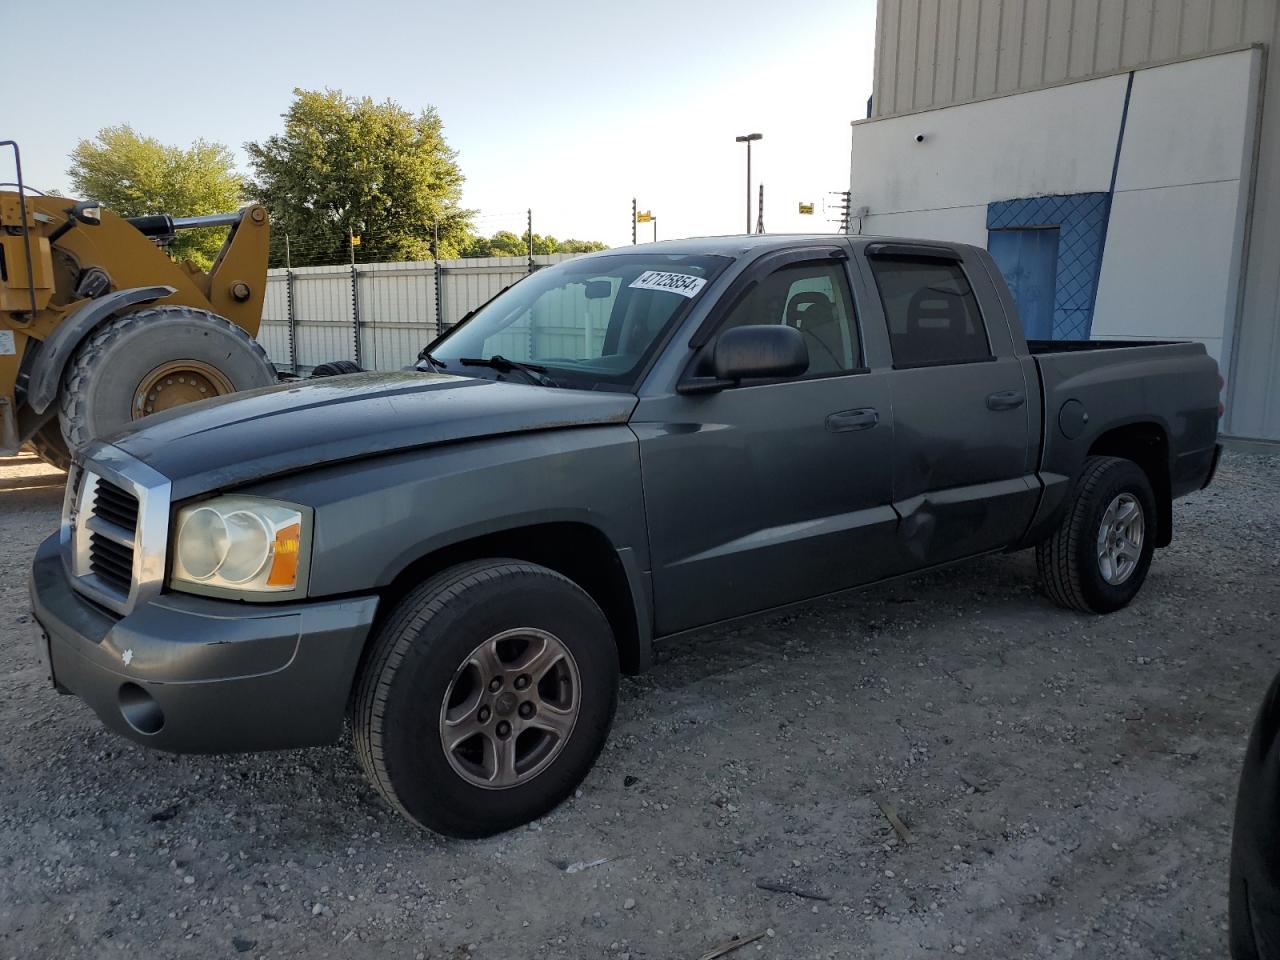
(748,139)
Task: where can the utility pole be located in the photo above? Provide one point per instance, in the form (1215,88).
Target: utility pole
(748,139)
(633,221)
(760,220)
(288,260)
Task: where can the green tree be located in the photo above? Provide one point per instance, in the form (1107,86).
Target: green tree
(580,246)
(344,163)
(504,243)
(133,175)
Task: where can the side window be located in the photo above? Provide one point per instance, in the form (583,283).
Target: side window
(932,313)
(814,298)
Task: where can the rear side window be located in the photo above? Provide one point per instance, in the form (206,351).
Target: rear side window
(932,313)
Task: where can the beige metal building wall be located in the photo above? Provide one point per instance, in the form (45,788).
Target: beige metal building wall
(936,53)
(933,53)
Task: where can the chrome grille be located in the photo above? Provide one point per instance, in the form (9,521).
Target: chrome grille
(114,530)
(116,506)
(111,561)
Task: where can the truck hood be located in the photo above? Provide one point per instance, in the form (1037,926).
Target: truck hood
(292,426)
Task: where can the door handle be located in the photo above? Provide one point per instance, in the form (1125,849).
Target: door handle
(846,420)
(1006,400)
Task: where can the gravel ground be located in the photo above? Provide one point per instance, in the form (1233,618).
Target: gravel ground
(1067,782)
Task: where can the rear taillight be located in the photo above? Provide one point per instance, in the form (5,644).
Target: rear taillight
(1222,407)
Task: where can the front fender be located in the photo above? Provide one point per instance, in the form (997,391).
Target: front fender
(375,517)
(56,350)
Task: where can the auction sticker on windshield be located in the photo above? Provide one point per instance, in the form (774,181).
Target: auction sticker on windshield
(680,283)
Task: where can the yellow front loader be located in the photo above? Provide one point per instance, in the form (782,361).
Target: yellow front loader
(99,327)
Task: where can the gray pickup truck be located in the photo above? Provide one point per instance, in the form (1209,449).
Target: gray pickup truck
(618,449)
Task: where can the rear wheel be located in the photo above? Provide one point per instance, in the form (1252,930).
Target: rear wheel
(153,360)
(1097,559)
(486,697)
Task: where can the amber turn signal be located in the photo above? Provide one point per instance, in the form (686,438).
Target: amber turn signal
(284,556)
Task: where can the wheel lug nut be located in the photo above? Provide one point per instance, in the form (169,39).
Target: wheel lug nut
(522,681)
(504,728)
(526,710)
(495,684)
(484,715)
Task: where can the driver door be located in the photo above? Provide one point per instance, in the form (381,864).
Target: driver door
(770,492)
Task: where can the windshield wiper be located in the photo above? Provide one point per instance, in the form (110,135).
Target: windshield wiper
(425,354)
(532,371)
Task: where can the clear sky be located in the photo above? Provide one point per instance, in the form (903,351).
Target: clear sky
(568,107)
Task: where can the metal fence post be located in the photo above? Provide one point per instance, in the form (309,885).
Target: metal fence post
(435,263)
(293,321)
(355,314)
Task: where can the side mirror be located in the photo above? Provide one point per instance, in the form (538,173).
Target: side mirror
(762,351)
(757,351)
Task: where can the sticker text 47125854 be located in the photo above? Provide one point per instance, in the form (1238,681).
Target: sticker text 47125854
(681,283)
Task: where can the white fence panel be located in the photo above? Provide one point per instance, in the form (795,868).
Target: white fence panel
(397,310)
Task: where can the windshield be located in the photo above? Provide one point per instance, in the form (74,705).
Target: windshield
(588,322)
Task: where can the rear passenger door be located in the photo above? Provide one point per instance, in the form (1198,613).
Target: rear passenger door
(963,470)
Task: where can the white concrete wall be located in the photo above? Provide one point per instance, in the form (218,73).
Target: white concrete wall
(1171,267)
(1171,263)
(1060,140)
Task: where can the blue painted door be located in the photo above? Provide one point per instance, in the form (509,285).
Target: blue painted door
(1029,261)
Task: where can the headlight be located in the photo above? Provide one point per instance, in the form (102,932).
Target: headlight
(236,545)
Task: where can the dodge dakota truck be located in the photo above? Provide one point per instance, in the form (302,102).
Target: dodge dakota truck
(461,558)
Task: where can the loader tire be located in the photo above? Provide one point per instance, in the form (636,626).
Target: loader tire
(153,360)
(336,368)
(47,444)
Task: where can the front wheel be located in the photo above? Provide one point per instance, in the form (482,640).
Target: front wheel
(1097,559)
(486,697)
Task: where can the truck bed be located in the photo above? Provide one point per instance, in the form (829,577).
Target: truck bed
(1170,384)
(1038,347)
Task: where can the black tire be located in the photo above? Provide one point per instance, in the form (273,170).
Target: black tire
(47,444)
(110,365)
(1254,890)
(336,368)
(1068,560)
(413,661)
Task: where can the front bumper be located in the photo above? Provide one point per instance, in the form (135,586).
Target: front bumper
(194,675)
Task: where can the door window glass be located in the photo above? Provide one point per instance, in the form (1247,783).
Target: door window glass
(813,298)
(931,311)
